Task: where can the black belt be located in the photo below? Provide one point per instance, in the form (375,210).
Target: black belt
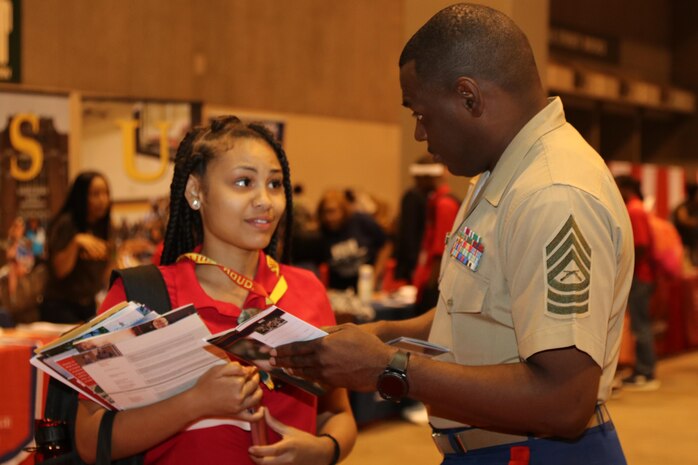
(460,441)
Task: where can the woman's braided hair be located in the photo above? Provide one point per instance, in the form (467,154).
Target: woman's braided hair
(197,149)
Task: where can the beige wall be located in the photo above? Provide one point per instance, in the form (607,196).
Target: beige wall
(329,68)
(330,58)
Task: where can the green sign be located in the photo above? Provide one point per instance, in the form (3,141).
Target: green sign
(10,36)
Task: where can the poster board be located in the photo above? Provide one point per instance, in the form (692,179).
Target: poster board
(134,141)
(34,141)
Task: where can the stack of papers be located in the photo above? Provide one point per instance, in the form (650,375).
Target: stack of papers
(130,356)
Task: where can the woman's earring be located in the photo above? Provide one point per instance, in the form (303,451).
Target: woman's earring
(195,204)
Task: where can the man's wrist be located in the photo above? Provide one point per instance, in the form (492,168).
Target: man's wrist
(392,383)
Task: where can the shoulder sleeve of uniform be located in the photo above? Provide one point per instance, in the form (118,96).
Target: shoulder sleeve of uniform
(560,261)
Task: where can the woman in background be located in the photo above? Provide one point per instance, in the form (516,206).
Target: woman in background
(348,240)
(79,251)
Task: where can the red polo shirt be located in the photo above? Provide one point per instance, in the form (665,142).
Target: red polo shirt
(642,237)
(442,209)
(305,298)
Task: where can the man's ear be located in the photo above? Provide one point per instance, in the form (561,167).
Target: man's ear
(469,92)
(192,192)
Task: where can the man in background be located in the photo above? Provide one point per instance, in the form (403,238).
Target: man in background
(411,220)
(441,210)
(643,376)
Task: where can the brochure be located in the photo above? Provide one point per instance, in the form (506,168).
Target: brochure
(122,366)
(418,346)
(130,356)
(252,341)
(49,356)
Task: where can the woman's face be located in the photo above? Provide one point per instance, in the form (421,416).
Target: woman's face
(332,214)
(242,196)
(98,200)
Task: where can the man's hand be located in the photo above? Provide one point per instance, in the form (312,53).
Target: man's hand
(348,357)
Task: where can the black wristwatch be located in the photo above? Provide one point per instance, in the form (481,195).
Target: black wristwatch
(392,383)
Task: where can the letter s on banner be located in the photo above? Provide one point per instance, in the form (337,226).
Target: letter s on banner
(25,145)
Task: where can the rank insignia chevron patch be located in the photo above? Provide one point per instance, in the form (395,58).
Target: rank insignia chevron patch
(568,271)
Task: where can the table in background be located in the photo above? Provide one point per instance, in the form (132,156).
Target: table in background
(23,390)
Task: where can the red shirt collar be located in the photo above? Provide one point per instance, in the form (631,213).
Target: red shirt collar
(190,291)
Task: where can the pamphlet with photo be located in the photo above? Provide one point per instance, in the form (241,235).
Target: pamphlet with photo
(252,341)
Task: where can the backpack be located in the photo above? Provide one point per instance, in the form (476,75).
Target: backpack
(143,284)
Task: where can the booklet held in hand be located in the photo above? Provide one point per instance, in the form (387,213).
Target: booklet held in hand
(252,341)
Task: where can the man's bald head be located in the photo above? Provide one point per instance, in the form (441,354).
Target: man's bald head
(474,41)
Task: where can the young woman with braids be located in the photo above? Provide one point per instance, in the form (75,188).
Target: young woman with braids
(230,189)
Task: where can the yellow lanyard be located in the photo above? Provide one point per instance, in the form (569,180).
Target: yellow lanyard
(244,282)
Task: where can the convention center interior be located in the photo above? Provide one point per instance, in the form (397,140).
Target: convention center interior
(337,190)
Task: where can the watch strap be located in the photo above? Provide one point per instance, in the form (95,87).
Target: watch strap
(399,361)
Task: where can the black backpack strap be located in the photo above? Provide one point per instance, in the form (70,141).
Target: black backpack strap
(104,438)
(104,443)
(144,284)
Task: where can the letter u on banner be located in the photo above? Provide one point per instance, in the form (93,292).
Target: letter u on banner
(128,130)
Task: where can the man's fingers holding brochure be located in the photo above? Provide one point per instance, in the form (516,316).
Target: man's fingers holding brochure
(334,329)
(295,354)
(348,357)
(297,349)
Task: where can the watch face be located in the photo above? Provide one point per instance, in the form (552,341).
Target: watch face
(392,385)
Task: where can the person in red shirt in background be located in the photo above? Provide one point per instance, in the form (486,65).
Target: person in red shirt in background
(442,208)
(685,218)
(643,376)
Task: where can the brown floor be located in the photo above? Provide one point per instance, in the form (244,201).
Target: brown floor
(655,428)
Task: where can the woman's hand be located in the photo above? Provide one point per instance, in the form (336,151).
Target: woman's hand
(229,390)
(92,247)
(296,447)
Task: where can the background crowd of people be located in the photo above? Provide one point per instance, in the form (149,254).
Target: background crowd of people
(348,228)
